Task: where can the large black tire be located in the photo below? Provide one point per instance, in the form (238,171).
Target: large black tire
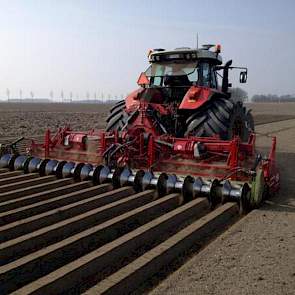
(223,117)
(117,118)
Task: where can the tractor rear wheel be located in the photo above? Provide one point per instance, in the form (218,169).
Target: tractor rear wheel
(222,117)
(117,117)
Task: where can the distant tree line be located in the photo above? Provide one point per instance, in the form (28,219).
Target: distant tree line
(273,98)
(239,94)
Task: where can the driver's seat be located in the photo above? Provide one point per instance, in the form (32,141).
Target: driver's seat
(178,86)
(172,81)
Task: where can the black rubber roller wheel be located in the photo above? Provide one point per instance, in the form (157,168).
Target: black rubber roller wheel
(223,117)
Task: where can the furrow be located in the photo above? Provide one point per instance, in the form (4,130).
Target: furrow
(25,183)
(14,194)
(67,188)
(47,215)
(71,217)
(6,173)
(52,203)
(18,178)
(35,265)
(103,261)
(3,170)
(136,273)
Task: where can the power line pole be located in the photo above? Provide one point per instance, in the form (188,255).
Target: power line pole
(51,95)
(8,94)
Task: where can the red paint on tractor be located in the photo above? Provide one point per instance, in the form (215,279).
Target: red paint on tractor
(132,100)
(195,97)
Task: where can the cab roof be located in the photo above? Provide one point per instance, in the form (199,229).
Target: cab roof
(185,53)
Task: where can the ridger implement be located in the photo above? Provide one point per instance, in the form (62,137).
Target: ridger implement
(180,132)
(219,170)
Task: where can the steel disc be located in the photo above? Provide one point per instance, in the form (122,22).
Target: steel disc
(187,188)
(58,171)
(84,174)
(67,169)
(32,165)
(96,173)
(124,176)
(104,172)
(245,199)
(137,185)
(26,164)
(19,162)
(77,171)
(42,166)
(50,167)
(5,160)
(116,177)
(11,162)
(100,174)
(213,192)
(146,180)
(162,184)
(198,188)
(166,184)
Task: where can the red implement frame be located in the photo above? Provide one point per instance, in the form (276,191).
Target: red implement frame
(199,156)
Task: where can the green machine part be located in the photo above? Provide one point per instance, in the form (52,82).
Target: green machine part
(257,189)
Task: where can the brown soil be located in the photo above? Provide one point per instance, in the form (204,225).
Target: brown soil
(31,119)
(257,254)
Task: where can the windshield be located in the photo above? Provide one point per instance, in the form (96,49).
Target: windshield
(175,68)
(160,72)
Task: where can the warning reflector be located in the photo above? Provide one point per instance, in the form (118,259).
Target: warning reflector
(143,80)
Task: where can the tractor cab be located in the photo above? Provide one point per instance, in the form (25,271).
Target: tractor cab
(179,94)
(177,70)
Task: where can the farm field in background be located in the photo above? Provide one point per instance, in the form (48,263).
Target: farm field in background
(30,119)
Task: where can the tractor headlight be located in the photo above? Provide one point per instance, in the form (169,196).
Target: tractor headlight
(188,56)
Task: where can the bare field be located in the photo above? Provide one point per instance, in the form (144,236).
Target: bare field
(30,119)
(257,254)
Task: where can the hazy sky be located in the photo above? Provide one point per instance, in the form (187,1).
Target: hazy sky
(101,46)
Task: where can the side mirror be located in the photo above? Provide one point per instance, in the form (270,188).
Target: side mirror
(243,77)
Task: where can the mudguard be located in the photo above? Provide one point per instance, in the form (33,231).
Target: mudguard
(133,98)
(195,97)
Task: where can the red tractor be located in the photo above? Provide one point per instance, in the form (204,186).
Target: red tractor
(179,132)
(181,96)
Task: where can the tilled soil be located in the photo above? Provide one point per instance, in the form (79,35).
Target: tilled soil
(257,254)
(31,119)
(28,120)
